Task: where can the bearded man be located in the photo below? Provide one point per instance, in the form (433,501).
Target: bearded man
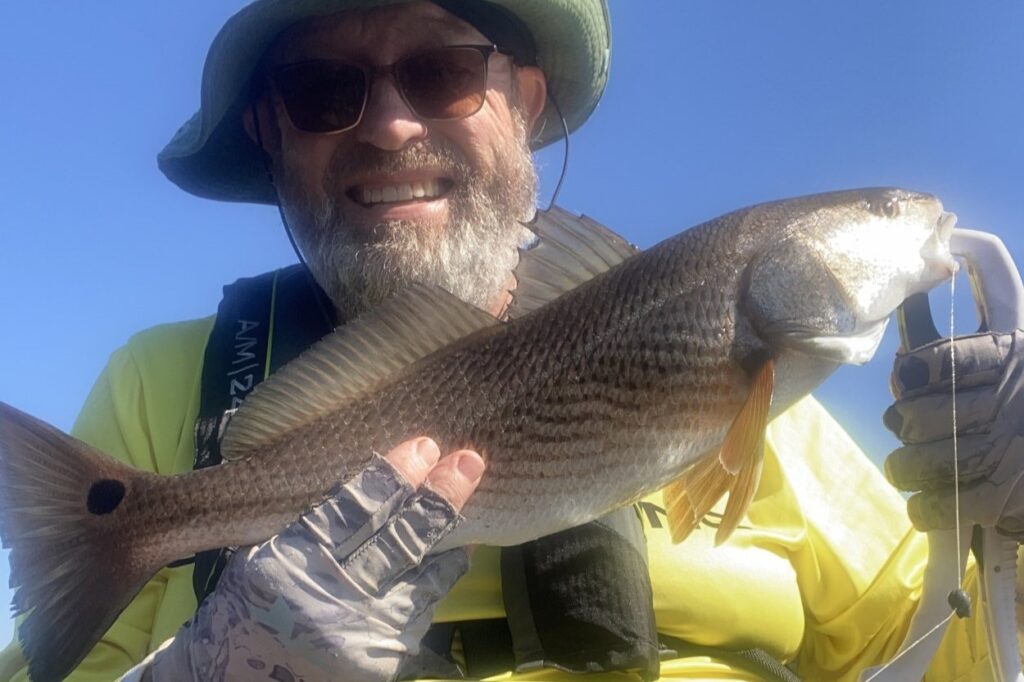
(395,137)
(401,198)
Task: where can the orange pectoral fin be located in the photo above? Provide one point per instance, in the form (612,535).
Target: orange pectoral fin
(690,497)
(736,469)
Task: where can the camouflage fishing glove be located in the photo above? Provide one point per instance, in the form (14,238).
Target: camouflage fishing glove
(346,593)
(990,423)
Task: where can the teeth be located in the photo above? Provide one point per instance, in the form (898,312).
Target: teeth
(426,189)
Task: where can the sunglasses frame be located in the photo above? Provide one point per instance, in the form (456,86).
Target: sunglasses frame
(372,73)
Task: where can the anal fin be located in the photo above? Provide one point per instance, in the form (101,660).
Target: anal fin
(736,469)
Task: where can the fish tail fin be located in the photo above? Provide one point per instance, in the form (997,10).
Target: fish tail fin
(61,515)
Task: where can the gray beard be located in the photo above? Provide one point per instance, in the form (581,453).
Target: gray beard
(472,256)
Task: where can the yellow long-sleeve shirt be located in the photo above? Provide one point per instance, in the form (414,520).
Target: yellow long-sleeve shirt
(825,571)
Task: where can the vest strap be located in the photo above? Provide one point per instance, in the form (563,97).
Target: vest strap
(485,648)
(753,660)
(262,323)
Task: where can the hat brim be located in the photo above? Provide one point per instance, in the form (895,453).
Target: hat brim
(211,155)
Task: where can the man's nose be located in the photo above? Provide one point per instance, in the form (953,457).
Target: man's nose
(388,122)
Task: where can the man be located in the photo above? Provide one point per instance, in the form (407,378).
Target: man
(824,574)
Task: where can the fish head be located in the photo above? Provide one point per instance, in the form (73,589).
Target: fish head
(828,283)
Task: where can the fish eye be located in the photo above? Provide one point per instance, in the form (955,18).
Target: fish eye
(887,208)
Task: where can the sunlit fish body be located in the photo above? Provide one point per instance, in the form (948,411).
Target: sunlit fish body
(618,373)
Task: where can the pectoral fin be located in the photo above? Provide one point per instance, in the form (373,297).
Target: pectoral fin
(736,469)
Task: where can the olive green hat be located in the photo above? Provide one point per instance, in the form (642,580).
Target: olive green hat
(211,156)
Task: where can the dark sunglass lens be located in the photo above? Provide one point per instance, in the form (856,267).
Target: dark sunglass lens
(322,97)
(444,83)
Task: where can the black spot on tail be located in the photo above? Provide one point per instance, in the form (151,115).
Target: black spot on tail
(104,496)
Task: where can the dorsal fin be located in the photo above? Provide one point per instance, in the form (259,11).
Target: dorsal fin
(570,250)
(407,327)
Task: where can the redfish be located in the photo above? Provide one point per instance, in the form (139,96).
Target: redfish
(617,373)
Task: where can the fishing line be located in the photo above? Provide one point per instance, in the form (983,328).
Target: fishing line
(959,592)
(956,459)
(908,649)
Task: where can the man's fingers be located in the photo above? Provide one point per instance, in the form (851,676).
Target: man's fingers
(456,477)
(423,586)
(936,510)
(414,458)
(401,544)
(929,417)
(980,361)
(930,465)
(354,510)
(360,506)
(410,534)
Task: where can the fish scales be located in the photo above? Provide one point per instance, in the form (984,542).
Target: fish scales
(639,359)
(584,402)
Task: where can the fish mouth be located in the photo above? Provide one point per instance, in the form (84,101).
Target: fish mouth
(937,252)
(946,223)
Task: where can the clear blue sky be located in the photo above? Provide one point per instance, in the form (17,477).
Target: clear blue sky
(712,105)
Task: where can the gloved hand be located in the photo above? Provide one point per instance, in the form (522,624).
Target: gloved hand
(990,422)
(345,593)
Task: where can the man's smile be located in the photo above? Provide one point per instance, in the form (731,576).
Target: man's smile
(393,190)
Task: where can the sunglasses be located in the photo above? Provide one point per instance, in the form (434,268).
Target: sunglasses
(437,84)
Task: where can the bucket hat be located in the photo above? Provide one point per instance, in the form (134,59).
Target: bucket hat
(211,156)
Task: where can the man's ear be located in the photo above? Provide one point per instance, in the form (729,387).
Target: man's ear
(533,93)
(249,122)
(268,132)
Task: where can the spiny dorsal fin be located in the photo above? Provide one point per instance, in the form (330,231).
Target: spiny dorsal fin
(571,250)
(407,327)
(736,469)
